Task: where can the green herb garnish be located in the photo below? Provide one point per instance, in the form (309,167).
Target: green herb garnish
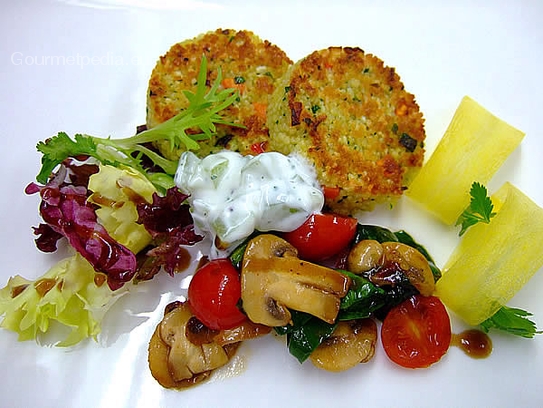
(202,114)
(479,209)
(513,321)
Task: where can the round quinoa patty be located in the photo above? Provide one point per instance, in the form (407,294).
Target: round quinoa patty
(248,63)
(349,115)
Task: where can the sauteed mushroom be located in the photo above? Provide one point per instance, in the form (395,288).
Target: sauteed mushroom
(351,343)
(245,331)
(198,333)
(379,260)
(413,264)
(365,256)
(274,280)
(174,361)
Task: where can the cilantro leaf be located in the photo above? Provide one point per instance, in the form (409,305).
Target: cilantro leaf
(512,320)
(479,209)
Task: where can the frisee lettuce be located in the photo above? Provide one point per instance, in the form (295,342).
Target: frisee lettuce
(66,294)
(202,114)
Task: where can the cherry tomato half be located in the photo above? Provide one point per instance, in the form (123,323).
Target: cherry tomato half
(322,235)
(214,292)
(417,332)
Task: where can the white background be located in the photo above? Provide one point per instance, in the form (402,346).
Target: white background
(490,50)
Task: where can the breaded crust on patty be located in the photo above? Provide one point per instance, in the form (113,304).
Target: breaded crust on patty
(349,115)
(248,63)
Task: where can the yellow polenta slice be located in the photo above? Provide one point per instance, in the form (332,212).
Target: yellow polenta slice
(474,146)
(493,261)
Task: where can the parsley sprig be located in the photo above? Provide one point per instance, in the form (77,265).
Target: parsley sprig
(479,209)
(202,114)
(513,321)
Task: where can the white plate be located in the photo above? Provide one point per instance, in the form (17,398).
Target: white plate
(83,66)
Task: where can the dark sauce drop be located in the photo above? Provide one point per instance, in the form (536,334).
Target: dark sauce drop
(183,260)
(473,342)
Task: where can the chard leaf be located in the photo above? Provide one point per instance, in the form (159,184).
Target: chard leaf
(362,299)
(374,232)
(305,334)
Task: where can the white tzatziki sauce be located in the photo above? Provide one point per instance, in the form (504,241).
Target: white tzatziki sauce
(232,195)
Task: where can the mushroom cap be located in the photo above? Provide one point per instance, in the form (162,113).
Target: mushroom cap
(274,280)
(351,343)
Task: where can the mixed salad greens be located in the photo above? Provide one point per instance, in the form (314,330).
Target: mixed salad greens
(114,201)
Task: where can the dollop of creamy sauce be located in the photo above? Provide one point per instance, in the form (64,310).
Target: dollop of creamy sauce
(232,195)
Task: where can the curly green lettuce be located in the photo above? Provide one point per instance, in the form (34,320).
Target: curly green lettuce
(202,115)
(68,294)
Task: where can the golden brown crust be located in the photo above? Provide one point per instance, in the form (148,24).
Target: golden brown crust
(243,57)
(350,116)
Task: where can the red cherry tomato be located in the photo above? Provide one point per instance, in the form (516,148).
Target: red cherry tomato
(322,235)
(214,292)
(417,332)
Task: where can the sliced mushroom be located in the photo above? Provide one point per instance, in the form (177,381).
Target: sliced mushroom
(158,365)
(274,280)
(245,331)
(174,361)
(351,343)
(198,333)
